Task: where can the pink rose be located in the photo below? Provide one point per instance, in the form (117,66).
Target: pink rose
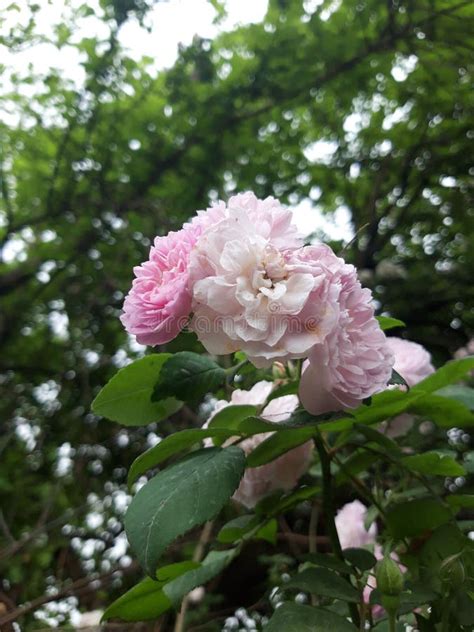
(252,292)
(350,525)
(281,473)
(413,363)
(354,361)
(351,528)
(159,303)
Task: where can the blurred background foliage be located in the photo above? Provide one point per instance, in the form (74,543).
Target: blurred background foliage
(360,105)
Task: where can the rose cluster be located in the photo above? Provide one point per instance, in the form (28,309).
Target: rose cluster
(240,277)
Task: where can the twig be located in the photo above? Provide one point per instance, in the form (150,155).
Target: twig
(197,557)
(329,513)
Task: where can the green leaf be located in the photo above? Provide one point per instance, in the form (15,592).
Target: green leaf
(374,435)
(418,595)
(144,601)
(276,445)
(179,498)
(236,528)
(170,446)
(433,463)
(291,388)
(387,322)
(171,571)
(357,462)
(327,561)
(292,617)
(459,501)
(325,583)
(272,507)
(385,405)
(446,540)
(127,396)
(398,379)
(445,412)
(451,372)
(212,565)
(460,393)
(189,376)
(464,609)
(414,517)
(268,532)
(361,558)
(231,416)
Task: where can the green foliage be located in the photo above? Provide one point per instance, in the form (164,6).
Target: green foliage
(195,489)
(355,107)
(295,618)
(415,517)
(213,564)
(324,582)
(387,322)
(434,463)
(188,375)
(144,601)
(127,397)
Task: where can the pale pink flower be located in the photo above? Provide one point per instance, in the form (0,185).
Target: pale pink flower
(413,363)
(252,292)
(354,361)
(159,302)
(281,473)
(350,525)
(466,351)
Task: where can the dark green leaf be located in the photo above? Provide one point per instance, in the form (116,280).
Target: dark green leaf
(374,435)
(357,462)
(272,506)
(446,541)
(464,609)
(285,389)
(433,463)
(445,412)
(413,518)
(292,617)
(212,565)
(171,571)
(127,397)
(418,595)
(279,443)
(170,446)
(325,583)
(236,528)
(188,376)
(143,602)
(361,558)
(179,498)
(458,501)
(398,379)
(327,561)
